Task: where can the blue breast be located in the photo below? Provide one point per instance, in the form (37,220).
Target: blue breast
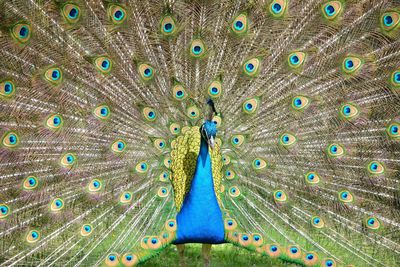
(200,218)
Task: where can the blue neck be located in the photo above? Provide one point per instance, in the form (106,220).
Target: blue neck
(203,152)
(200,218)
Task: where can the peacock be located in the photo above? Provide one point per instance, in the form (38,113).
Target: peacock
(128,126)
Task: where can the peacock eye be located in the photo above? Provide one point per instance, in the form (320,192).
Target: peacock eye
(352,64)
(7,89)
(71,13)
(179,92)
(312,178)
(331,10)
(335,150)
(54,122)
(390,21)
(197,48)
(280,196)
(53,75)
(33,236)
(10,139)
(251,67)
(329,263)
(345,196)
(149,114)
(296,59)
(168,26)
(349,111)
(4,211)
(317,222)
(21,32)
(287,140)
(215,89)
(30,183)
(250,106)
(103,64)
(141,167)
(57,205)
(393,130)
(146,72)
(240,24)
(193,112)
(277,8)
(118,146)
(117,14)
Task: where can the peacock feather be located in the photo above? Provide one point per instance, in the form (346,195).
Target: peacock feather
(128,126)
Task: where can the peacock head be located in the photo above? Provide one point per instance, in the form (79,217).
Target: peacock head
(209,132)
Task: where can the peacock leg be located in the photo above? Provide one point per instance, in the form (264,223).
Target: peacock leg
(181,250)
(206,254)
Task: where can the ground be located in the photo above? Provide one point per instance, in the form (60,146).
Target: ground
(221,255)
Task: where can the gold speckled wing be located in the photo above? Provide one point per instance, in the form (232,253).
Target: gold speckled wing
(183,162)
(216,165)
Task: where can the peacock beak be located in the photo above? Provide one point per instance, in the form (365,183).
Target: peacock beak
(211,142)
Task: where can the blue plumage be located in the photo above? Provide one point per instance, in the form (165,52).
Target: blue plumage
(200,219)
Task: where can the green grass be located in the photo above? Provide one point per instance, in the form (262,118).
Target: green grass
(221,255)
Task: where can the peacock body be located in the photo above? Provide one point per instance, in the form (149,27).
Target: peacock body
(127,126)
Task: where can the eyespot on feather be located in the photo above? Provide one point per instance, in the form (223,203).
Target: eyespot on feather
(21,32)
(277,8)
(393,130)
(251,67)
(31,182)
(5,211)
(117,14)
(293,252)
(312,178)
(142,167)
(71,13)
(331,10)
(250,106)
(95,186)
(54,122)
(112,260)
(259,164)
(287,140)
(118,146)
(296,59)
(317,222)
(234,191)
(102,112)
(146,72)
(345,196)
(129,260)
(349,111)
(335,150)
(33,236)
(54,76)
(7,89)
(57,205)
(86,230)
(10,139)
(215,89)
(280,196)
(352,64)
(197,48)
(68,160)
(125,197)
(300,102)
(240,24)
(168,26)
(375,168)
